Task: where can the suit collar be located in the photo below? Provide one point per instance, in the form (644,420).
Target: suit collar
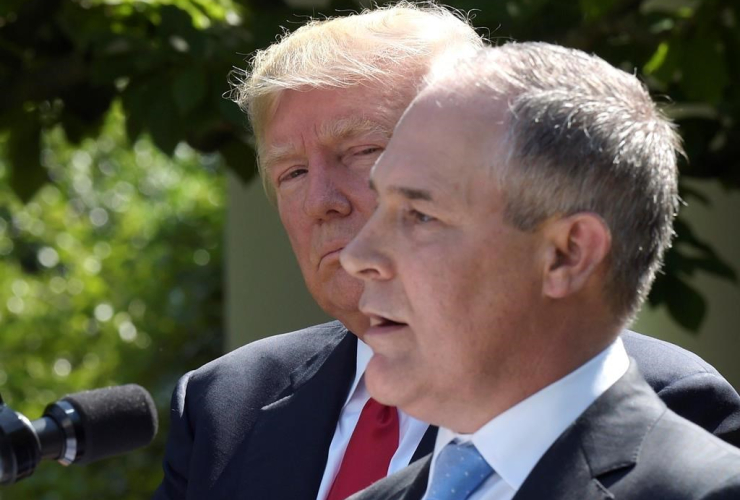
(604,440)
(625,416)
(338,351)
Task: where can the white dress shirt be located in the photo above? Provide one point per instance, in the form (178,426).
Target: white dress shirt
(514,441)
(410,430)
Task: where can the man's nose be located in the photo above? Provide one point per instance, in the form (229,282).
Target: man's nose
(367,257)
(326,197)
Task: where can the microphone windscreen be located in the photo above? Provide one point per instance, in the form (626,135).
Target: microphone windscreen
(114,420)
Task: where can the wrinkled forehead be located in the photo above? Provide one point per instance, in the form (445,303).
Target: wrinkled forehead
(361,108)
(331,131)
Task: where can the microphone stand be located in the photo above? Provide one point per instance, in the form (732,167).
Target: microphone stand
(19,447)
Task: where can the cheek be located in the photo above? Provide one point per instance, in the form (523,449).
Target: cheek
(439,303)
(297,225)
(363,199)
(357,185)
(456,295)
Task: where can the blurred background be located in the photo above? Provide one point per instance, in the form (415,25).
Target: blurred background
(136,243)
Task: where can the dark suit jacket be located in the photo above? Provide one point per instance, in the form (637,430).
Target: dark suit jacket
(626,445)
(257,423)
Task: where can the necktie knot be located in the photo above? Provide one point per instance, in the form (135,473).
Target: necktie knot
(458,471)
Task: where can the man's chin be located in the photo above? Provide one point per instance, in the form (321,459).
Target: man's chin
(339,296)
(385,383)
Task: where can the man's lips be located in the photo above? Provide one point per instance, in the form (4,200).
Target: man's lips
(334,252)
(384,324)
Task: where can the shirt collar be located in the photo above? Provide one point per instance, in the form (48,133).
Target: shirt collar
(514,441)
(358,395)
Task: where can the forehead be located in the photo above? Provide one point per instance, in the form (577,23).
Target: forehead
(443,135)
(333,112)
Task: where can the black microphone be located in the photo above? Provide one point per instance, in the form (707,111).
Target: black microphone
(78,429)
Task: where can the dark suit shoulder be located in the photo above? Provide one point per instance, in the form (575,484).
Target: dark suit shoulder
(663,362)
(689,385)
(629,445)
(215,407)
(271,359)
(683,462)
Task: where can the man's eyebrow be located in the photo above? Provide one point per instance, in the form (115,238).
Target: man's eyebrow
(277,154)
(411,193)
(408,193)
(343,128)
(352,126)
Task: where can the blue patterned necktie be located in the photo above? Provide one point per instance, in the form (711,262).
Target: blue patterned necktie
(458,471)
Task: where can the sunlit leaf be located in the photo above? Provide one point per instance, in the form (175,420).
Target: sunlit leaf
(658,59)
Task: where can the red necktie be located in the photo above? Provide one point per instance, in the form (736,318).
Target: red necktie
(369,451)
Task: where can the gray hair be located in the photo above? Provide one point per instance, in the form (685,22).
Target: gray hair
(586,137)
(387,45)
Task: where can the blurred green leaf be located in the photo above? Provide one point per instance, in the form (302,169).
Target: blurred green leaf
(174,20)
(596,9)
(163,120)
(684,302)
(24,154)
(230,112)
(111,274)
(705,75)
(189,89)
(658,59)
(241,159)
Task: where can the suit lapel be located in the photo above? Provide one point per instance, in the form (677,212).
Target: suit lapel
(416,484)
(562,476)
(409,483)
(602,444)
(287,450)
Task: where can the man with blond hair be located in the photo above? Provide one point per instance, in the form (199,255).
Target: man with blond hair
(289,417)
(524,206)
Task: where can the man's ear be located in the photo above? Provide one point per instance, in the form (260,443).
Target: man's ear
(576,246)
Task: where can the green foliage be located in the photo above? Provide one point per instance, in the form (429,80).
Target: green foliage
(111,275)
(65,62)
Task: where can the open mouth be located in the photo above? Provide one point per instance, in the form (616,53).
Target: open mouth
(383,322)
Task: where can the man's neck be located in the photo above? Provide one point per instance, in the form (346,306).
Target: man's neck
(542,365)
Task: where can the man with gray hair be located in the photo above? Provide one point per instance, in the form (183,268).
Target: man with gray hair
(289,417)
(524,206)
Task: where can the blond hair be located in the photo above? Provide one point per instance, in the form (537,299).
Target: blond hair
(387,44)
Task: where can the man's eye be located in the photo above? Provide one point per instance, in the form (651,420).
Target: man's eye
(420,217)
(292,174)
(369,150)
